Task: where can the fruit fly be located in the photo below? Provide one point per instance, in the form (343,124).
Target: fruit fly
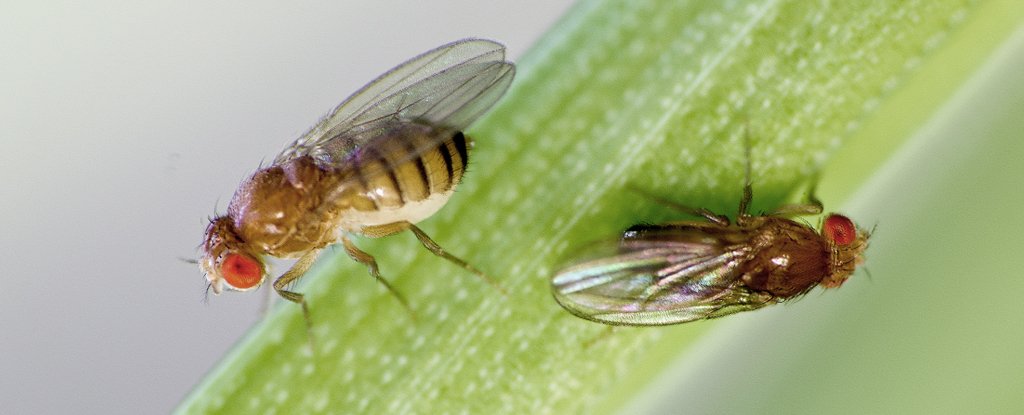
(387,157)
(683,271)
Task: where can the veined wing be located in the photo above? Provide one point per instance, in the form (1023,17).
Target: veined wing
(666,274)
(448,87)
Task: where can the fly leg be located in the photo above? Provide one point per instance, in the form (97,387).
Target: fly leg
(433,247)
(813,206)
(717,219)
(436,249)
(296,271)
(364,258)
(599,337)
(743,216)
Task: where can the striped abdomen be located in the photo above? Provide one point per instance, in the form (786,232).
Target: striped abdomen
(405,175)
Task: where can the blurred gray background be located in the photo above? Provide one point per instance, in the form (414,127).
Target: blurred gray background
(124,125)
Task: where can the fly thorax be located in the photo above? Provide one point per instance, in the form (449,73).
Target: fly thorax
(791,260)
(274,209)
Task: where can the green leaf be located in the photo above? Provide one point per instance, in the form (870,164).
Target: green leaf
(653,94)
(938,327)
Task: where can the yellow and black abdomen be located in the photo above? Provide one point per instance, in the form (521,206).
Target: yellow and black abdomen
(404,175)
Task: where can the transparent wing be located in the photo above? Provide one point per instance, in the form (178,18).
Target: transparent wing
(449,87)
(668,274)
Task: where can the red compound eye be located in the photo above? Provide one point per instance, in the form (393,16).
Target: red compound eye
(839,229)
(241,271)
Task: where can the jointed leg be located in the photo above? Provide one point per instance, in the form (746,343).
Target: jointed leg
(813,206)
(702,212)
(296,271)
(604,334)
(748,190)
(371,265)
(436,249)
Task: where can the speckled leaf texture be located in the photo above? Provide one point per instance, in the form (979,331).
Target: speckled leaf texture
(655,95)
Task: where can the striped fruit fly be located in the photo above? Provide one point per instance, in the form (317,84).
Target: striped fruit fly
(387,157)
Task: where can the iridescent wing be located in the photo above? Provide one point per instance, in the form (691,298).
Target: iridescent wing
(667,274)
(448,87)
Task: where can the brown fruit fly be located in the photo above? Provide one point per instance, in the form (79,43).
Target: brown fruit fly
(387,157)
(683,271)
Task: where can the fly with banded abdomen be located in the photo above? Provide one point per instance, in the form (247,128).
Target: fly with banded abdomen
(684,271)
(386,158)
